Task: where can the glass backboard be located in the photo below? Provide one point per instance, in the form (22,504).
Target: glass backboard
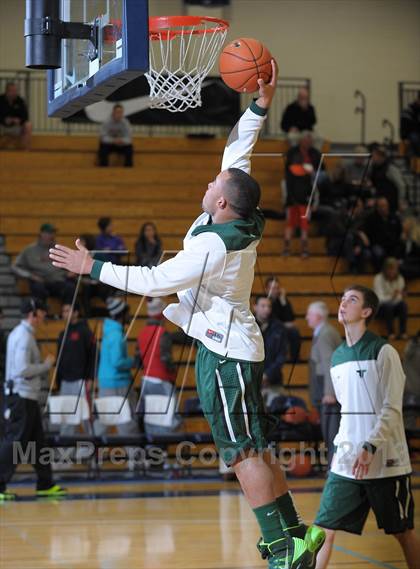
(89,73)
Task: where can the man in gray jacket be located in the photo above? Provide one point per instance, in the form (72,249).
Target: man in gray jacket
(23,379)
(44,280)
(325,340)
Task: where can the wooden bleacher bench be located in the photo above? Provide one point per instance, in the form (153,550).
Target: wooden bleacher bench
(58,182)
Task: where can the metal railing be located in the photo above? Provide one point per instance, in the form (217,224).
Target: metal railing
(32,87)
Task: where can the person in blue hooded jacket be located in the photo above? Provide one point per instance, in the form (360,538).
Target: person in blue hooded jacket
(114,372)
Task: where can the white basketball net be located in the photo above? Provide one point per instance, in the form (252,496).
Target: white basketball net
(178,65)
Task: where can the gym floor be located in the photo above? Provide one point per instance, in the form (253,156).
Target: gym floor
(183,524)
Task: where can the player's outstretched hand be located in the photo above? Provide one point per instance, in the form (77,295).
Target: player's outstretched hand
(74,260)
(267,90)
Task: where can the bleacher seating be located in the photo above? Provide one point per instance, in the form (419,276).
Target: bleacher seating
(58,182)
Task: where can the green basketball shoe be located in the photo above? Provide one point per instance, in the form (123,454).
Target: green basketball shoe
(54,492)
(7,496)
(296,531)
(314,539)
(289,553)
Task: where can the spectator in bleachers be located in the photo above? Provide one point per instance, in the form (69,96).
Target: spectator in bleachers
(283,310)
(14,116)
(298,116)
(108,241)
(114,371)
(335,193)
(336,188)
(342,234)
(76,352)
(381,234)
(411,365)
(90,288)
(387,179)
(410,126)
(148,246)
(116,137)
(325,340)
(302,162)
(356,170)
(410,266)
(23,383)
(389,287)
(88,240)
(159,370)
(2,369)
(275,347)
(2,349)
(44,279)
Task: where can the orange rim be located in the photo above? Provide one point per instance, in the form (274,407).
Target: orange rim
(169,27)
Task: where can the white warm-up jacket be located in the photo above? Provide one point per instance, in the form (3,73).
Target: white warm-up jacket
(214,272)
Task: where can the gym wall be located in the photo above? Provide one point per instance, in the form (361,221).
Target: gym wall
(342,45)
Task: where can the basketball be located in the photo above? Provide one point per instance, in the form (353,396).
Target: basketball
(302,465)
(313,416)
(243,62)
(295,416)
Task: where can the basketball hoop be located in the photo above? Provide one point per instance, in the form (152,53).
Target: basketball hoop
(183,49)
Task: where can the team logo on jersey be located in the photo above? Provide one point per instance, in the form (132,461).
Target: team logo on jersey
(215,336)
(361,373)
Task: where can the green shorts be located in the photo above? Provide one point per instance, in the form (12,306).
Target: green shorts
(345,504)
(230,396)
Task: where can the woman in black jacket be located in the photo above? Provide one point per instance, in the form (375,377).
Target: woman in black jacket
(148,246)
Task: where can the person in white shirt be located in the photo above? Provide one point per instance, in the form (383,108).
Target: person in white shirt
(213,277)
(389,286)
(24,434)
(371,465)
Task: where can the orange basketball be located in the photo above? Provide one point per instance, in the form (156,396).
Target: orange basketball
(302,465)
(313,416)
(295,415)
(243,62)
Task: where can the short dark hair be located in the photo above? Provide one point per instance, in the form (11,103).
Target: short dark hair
(31,305)
(117,106)
(89,240)
(75,306)
(242,192)
(103,223)
(258,297)
(370,299)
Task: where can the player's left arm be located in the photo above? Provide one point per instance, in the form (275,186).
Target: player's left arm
(245,133)
(392,380)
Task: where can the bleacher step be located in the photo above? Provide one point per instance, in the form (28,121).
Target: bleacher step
(7,279)
(7,289)
(10,322)
(10,301)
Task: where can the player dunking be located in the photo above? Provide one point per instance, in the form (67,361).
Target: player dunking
(371,465)
(213,277)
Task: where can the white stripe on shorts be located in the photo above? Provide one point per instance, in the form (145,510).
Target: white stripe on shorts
(397,491)
(407,502)
(244,409)
(225,407)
